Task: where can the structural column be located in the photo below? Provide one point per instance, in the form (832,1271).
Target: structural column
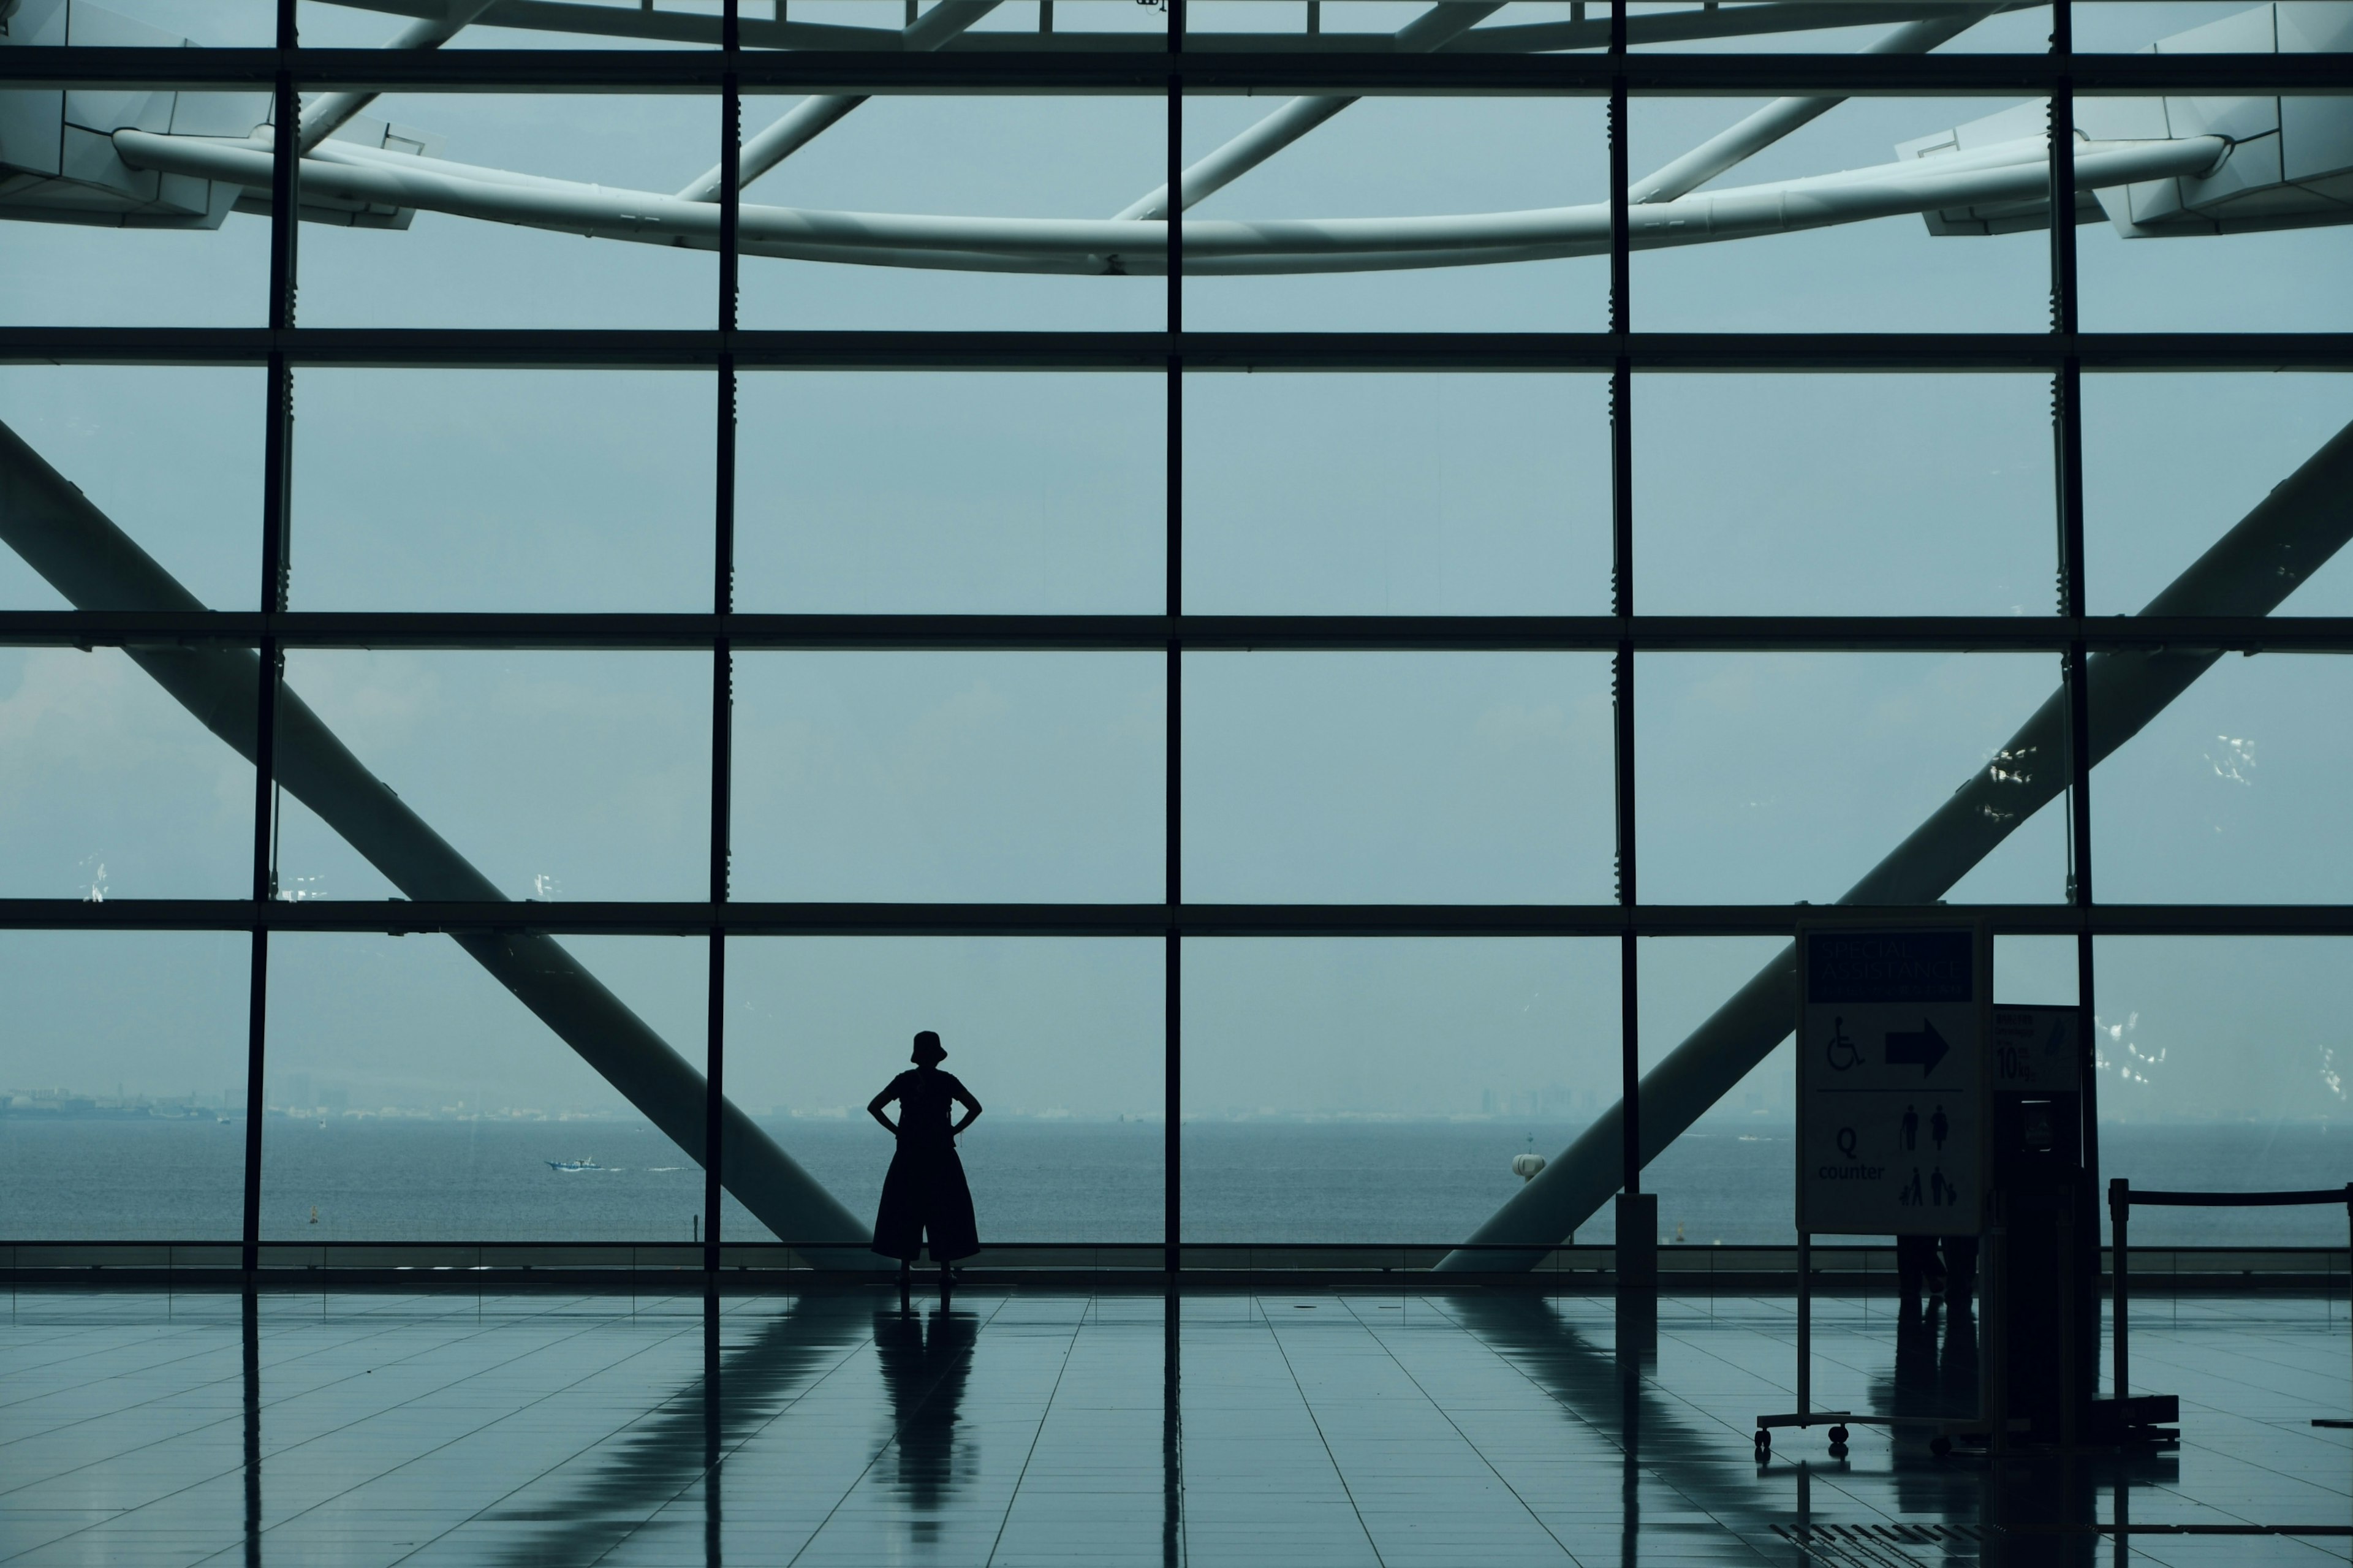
(722,664)
(2067,468)
(1637,1215)
(1172,1149)
(276,523)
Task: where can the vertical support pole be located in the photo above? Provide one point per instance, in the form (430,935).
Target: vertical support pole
(723,661)
(251,1340)
(1805,1322)
(1636,1213)
(1172,1144)
(2119,1211)
(1172,1435)
(1621,604)
(713,1426)
(276,515)
(2071,1418)
(2067,467)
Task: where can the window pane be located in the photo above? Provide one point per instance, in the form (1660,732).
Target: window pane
(414,1098)
(558,775)
(1379,778)
(2222,1069)
(983,777)
(1397,495)
(469,262)
(1843,495)
(2152,261)
(952,493)
(1899,272)
(1375,1091)
(1061,1041)
(122,1085)
(924,156)
(1729,1178)
(503,490)
(171,457)
(2235,792)
(113,788)
(1770,778)
(2171,463)
(1394,157)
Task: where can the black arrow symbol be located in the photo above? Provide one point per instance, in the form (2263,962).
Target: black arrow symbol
(1927,1048)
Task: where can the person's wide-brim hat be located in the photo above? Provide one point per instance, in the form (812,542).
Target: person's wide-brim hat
(929,1051)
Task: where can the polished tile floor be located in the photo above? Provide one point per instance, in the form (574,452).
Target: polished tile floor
(1031,1427)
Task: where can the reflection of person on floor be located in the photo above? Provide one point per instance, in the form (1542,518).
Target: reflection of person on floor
(1952,1279)
(924,1365)
(926,1192)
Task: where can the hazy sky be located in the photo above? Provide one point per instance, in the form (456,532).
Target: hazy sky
(1451,777)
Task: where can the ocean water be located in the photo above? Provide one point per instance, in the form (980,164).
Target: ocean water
(1033,1181)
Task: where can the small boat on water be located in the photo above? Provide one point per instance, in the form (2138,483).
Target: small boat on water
(573,1165)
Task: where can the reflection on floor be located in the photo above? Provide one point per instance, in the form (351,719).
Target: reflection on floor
(1481,1429)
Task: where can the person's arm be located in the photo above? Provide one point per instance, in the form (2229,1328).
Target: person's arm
(971,1109)
(874,1107)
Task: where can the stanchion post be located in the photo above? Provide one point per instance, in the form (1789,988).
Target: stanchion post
(1805,1322)
(2119,1210)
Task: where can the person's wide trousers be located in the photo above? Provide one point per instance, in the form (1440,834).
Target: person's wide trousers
(926,1193)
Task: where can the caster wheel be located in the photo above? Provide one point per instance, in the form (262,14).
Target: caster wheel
(1940,1447)
(1763,1446)
(1839,1435)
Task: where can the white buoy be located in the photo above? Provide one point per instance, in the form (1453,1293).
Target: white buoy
(1525,1167)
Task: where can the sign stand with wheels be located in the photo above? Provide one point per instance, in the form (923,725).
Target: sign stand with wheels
(1892,1114)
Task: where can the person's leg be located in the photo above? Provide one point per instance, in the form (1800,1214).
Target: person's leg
(1960,1269)
(1912,1268)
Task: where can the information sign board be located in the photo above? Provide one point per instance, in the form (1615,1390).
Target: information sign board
(1892,1124)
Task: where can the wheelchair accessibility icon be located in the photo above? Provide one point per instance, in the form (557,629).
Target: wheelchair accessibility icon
(1843,1052)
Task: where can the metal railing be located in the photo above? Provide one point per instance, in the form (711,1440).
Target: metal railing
(1694,1270)
(2121,1198)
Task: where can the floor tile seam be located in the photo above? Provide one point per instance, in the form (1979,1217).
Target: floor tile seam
(872,1459)
(2268,1470)
(85,1353)
(116,1515)
(531,1480)
(154,1366)
(1523,1374)
(216,1350)
(142,1447)
(1338,1473)
(1446,1415)
(483,1331)
(997,1543)
(1592,1428)
(850,1353)
(458,1437)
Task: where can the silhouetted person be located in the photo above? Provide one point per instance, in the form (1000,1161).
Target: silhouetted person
(1952,1277)
(925,1192)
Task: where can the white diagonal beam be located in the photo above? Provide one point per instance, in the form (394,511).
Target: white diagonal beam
(97,566)
(325,115)
(1440,25)
(812,116)
(2249,570)
(1783,115)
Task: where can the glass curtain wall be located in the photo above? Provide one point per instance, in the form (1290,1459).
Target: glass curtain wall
(735,561)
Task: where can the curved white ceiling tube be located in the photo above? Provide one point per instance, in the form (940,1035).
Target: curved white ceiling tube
(2015,172)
